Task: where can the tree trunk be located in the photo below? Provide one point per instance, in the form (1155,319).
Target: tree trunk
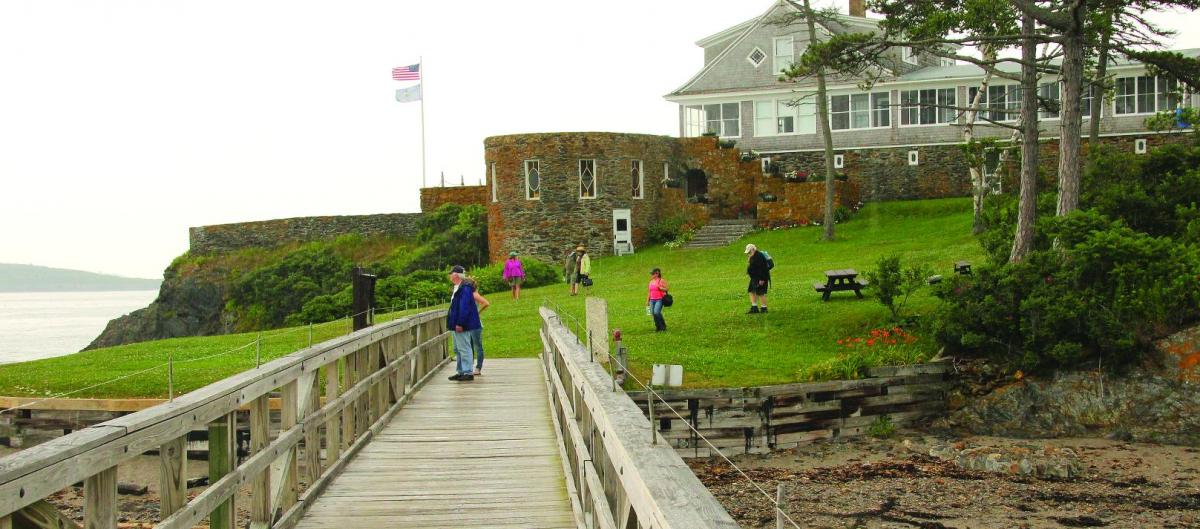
(1071,117)
(1098,88)
(1027,207)
(978,169)
(823,123)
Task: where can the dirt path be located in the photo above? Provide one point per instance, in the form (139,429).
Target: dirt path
(887,483)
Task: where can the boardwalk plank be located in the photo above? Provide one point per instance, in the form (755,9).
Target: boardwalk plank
(459,455)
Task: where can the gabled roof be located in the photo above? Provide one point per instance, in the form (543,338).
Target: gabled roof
(841,24)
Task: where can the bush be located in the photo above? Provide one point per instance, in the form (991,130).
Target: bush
(892,284)
(1107,290)
(265,297)
(882,428)
(1155,193)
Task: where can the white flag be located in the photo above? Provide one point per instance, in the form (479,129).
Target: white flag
(410,94)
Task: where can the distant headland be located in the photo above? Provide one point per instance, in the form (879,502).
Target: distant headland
(31,278)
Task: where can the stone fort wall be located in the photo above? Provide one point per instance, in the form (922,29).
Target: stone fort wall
(222,238)
(433,197)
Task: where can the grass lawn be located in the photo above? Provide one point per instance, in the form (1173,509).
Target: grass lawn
(709,332)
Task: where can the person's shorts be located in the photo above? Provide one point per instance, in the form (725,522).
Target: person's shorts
(757,289)
(514,281)
(572,278)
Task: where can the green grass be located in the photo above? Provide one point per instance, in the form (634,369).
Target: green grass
(710,334)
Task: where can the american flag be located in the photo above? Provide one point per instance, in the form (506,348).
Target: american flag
(411,72)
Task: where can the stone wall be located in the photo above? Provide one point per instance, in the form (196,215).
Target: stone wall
(433,197)
(221,238)
(733,184)
(804,202)
(549,226)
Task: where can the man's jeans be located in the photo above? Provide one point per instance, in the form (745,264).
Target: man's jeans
(477,344)
(463,346)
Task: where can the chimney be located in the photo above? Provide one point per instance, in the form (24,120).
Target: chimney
(858,8)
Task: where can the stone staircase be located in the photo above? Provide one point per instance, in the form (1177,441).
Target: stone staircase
(720,233)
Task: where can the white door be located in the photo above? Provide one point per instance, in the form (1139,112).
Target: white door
(622,231)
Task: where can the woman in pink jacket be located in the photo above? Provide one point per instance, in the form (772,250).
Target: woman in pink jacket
(654,299)
(514,274)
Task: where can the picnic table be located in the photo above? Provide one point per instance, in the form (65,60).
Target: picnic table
(840,280)
(963,267)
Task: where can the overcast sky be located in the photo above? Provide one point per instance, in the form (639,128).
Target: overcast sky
(122,123)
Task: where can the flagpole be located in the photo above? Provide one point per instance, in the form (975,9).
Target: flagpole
(421,71)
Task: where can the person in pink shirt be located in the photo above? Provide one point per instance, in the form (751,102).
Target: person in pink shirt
(654,301)
(514,274)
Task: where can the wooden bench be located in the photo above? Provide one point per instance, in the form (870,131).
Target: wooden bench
(840,281)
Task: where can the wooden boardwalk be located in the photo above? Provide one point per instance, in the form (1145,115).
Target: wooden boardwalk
(460,455)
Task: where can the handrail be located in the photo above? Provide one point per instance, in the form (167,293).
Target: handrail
(368,376)
(621,477)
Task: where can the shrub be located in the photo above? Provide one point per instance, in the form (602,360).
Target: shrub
(878,347)
(1107,290)
(892,284)
(489,279)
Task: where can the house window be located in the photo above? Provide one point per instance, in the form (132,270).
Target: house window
(637,177)
(946,62)
(1000,102)
(839,161)
(1050,100)
(927,107)
(1145,95)
(1086,104)
(587,178)
(533,179)
(914,158)
(858,111)
(722,119)
(756,57)
(493,171)
(1139,146)
(775,117)
(908,55)
(784,53)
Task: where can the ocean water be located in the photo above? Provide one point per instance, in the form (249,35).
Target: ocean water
(37,325)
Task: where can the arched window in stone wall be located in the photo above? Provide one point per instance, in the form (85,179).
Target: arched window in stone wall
(587,178)
(638,177)
(533,179)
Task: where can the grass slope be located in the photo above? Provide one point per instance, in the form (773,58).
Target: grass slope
(710,334)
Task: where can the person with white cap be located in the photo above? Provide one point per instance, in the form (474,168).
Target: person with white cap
(463,319)
(760,279)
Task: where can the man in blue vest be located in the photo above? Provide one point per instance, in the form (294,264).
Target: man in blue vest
(463,319)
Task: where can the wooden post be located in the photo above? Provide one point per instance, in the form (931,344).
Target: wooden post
(289,407)
(312,434)
(333,427)
(172,476)
(100,500)
(347,411)
(363,297)
(779,506)
(6,522)
(260,437)
(222,458)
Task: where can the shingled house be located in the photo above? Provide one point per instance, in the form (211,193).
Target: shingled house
(893,140)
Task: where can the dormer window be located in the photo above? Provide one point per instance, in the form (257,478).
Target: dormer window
(908,55)
(756,57)
(784,53)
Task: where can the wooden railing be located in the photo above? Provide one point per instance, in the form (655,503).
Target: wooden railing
(367,376)
(618,475)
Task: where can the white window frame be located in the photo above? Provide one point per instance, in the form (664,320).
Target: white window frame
(801,114)
(776,57)
(872,111)
(938,91)
(666,173)
(839,161)
(1043,89)
(530,192)
(637,165)
(750,57)
(695,119)
(907,55)
(1139,146)
(595,179)
(493,171)
(1160,88)
(914,157)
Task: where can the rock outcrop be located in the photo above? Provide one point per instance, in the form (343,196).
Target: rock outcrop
(186,306)
(1155,402)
